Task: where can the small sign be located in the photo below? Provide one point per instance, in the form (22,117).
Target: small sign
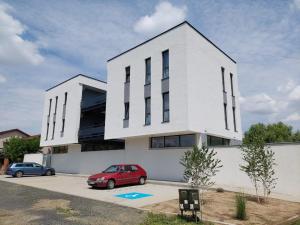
(133,195)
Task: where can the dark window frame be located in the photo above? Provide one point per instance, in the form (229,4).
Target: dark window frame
(126,110)
(179,141)
(165,64)
(148,71)
(147,111)
(127,74)
(231,83)
(49,113)
(223,79)
(166,109)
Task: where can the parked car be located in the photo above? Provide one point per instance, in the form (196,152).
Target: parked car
(28,168)
(118,175)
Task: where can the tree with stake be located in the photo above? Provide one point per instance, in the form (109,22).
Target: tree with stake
(200,166)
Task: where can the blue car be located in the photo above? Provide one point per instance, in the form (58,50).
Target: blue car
(27,168)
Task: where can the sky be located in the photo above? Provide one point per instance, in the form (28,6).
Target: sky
(42,43)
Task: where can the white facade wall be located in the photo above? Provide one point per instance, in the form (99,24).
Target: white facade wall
(37,158)
(164,164)
(195,88)
(72,119)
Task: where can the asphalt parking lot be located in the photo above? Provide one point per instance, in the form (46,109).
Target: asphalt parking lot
(23,205)
(135,196)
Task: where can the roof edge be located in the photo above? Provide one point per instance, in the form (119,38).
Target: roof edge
(74,78)
(14,130)
(172,28)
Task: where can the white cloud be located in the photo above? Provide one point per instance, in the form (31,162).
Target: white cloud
(261,104)
(295,94)
(292,117)
(295,4)
(286,87)
(2,79)
(165,16)
(14,49)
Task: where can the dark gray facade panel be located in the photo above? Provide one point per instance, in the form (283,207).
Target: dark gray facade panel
(147,91)
(126,92)
(125,123)
(164,85)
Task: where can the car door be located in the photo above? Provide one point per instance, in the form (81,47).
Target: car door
(135,174)
(28,169)
(129,175)
(37,169)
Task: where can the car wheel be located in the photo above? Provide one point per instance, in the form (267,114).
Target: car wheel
(19,174)
(48,173)
(142,180)
(111,184)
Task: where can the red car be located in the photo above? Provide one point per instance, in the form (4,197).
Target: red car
(118,175)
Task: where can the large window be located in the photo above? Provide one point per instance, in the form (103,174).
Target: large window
(126,111)
(217,141)
(102,146)
(148,71)
(60,149)
(225,116)
(173,141)
(127,74)
(165,64)
(147,111)
(166,109)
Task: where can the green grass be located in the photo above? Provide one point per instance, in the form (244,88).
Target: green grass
(161,219)
(240,201)
(297,222)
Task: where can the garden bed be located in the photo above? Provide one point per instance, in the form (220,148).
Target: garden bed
(220,206)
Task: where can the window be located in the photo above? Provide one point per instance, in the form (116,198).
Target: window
(112,169)
(133,168)
(165,64)
(172,141)
(28,165)
(217,141)
(127,168)
(102,146)
(234,120)
(56,99)
(47,132)
(148,71)
(53,130)
(54,116)
(50,103)
(126,111)
(127,74)
(147,111)
(36,165)
(187,140)
(223,78)
(60,149)
(19,165)
(64,113)
(66,97)
(157,142)
(225,115)
(63,126)
(166,110)
(231,82)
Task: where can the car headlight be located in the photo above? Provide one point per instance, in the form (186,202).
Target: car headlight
(100,179)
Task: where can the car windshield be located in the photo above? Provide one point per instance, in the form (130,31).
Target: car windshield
(111,169)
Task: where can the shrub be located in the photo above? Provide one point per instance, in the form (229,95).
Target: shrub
(221,190)
(240,206)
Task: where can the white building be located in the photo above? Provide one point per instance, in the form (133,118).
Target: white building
(169,93)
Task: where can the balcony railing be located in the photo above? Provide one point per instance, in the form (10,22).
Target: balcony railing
(91,132)
(91,102)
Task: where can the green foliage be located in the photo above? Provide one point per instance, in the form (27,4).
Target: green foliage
(162,219)
(259,162)
(200,166)
(272,133)
(15,148)
(240,203)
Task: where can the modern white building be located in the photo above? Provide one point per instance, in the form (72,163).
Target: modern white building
(171,92)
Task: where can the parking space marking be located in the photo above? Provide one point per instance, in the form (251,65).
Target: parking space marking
(133,195)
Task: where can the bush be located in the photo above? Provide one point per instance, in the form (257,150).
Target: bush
(221,190)
(240,206)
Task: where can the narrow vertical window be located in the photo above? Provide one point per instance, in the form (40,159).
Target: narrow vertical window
(127,74)
(54,116)
(126,111)
(225,115)
(148,71)
(53,130)
(234,119)
(64,114)
(147,111)
(166,109)
(231,82)
(66,98)
(48,118)
(165,64)
(223,78)
(56,99)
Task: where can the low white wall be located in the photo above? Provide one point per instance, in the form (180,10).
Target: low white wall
(37,158)
(163,164)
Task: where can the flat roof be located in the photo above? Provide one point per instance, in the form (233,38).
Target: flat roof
(75,77)
(185,22)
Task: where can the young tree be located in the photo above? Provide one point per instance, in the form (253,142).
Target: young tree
(15,148)
(200,166)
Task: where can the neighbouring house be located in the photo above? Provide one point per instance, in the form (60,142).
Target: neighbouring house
(5,136)
(173,91)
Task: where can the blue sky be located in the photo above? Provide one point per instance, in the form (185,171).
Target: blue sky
(45,42)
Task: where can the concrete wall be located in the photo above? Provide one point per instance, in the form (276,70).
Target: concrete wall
(164,164)
(37,158)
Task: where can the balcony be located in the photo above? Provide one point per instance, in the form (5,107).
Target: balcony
(91,133)
(91,103)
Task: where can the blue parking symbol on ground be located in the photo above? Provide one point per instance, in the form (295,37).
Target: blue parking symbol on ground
(133,195)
